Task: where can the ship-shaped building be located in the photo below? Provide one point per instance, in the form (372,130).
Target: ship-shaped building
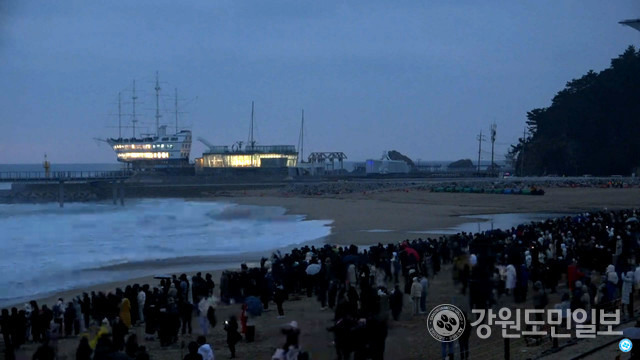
(152,151)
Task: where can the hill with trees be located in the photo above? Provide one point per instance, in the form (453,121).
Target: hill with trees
(591,127)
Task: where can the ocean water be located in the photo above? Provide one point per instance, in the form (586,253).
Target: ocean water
(504,221)
(44,248)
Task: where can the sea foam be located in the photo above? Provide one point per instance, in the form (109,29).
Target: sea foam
(44,248)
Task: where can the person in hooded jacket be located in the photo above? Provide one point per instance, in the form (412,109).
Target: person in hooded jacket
(204,350)
(125,312)
(611,281)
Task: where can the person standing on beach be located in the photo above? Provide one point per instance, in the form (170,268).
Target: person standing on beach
(45,352)
(58,314)
(416,294)
(193,352)
(233,336)
(125,312)
(186,313)
(69,319)
(34,319)
(203,307)
(45,319)
(423,295)
(463,340)
(279,296)
(396,301)
(85,307)
(83,352)
(210,284)
(141,298)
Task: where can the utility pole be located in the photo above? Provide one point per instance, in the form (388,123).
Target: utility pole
(480,139)
(493,141)
(524,141)
(301,141)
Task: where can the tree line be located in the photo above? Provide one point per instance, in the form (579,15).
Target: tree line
(591,127)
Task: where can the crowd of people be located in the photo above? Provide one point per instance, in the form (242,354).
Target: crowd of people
(364,288)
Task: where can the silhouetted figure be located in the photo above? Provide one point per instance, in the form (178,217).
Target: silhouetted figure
(396,301)
(44,352)
(233,336)
(193,352)
(84,350)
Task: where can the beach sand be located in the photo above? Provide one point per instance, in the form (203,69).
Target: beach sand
(400,214)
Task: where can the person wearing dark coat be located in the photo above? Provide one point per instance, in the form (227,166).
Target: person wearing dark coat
(292,333)
(44,352)
(84,350)
(463,340)
(69,319)
(19,326)
(131,347)
(210,284)
(45,318)
(186,314)
(279,296)
(7,328)
(193,352)
(211,316)
(119,331)
(36,324)
(341,334)
(233,336)
(85,307)
(151,321)
(395,302)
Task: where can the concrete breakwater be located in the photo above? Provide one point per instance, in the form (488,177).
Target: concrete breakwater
(104,191)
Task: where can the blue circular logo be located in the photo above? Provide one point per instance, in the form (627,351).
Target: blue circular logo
(625,345)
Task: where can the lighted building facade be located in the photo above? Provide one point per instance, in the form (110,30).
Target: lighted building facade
(274,156)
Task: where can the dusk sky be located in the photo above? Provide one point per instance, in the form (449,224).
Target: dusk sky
(420,77)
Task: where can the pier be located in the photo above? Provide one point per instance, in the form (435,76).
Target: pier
(116,178)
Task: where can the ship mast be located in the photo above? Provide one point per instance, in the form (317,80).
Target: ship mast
(119,116)
(134,120)
(157,88)
(176,110)
(251,141)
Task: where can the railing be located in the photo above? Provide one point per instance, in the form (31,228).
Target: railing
(63,175)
